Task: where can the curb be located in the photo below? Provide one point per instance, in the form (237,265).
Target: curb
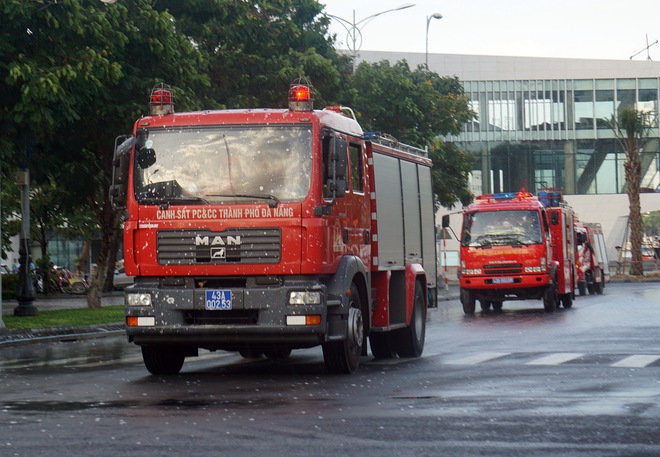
(16,337)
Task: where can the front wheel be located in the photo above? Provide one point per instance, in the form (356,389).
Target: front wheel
(582,288)
(600,286)
(550,298)
(162,360)
(410,340)
(468,301)
(344,356)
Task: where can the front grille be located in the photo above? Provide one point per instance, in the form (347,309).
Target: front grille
(232,317)
(233,246)
(503,269)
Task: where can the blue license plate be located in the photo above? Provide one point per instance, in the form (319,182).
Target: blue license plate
(502,280)
(218,300)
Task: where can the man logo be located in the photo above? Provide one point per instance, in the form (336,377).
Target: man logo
(217,240)
(218,253)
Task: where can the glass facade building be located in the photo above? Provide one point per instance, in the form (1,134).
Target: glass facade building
(554,133)
(541,122)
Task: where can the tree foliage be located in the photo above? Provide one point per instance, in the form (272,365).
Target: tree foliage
(417,107)
(76,73)
(80,71)
(631,129)
(255,49)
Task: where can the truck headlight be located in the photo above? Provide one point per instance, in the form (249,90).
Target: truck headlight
(305,297)
(142,299)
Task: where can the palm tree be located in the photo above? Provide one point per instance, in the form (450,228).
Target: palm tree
(631,129)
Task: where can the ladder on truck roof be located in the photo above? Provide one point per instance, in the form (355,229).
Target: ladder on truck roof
(391,142)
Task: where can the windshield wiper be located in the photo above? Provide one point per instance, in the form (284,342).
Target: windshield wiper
(273,200)
(172,200)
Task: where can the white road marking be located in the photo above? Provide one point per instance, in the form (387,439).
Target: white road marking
(555,359)
(478,358)
(636,361)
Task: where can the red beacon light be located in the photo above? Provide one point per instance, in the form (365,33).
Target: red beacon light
(161,100)
(301,96)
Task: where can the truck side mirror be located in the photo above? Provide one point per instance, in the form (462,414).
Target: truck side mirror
(445,221)
(120,163)
(146,157)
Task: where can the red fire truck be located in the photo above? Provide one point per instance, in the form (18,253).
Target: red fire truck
(515,246)
(267,230)
(591,258)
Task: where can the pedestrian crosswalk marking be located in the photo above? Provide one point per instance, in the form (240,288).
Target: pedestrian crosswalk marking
(479,358)
(556,359)
(636,361)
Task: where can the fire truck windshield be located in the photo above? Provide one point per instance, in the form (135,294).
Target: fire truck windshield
(501,228)
(223,164)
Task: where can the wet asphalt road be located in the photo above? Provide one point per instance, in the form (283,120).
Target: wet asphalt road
(577,382)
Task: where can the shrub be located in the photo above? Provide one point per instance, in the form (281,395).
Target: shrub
(9,285)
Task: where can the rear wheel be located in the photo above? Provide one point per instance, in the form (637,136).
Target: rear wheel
(468,301)
(485,304)
(567,300)
(497,306)
(344,356)
(410,340)
(163,360)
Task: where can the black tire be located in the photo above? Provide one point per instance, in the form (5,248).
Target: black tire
(278,354)
(162,360)
(468,301)
(344,356)
(497,306)
(250,354)
(582,288)
(410,340)
(381,344)
(599,287)
(567,300)
(78,288)
(550,298)
(591,288)
(485,304)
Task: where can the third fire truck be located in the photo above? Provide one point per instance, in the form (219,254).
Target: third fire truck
(517,246)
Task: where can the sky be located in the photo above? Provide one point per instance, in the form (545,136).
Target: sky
(582,29)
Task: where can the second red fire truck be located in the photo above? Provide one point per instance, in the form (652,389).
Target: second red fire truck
(516,246)
(266,230)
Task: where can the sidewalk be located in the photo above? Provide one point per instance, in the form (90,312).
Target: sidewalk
(15,337)
(63,301)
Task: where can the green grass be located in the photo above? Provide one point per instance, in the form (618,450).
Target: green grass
(79,316)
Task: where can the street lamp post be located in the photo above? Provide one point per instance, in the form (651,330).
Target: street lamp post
(354,32)
(428,20)
(25,289)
